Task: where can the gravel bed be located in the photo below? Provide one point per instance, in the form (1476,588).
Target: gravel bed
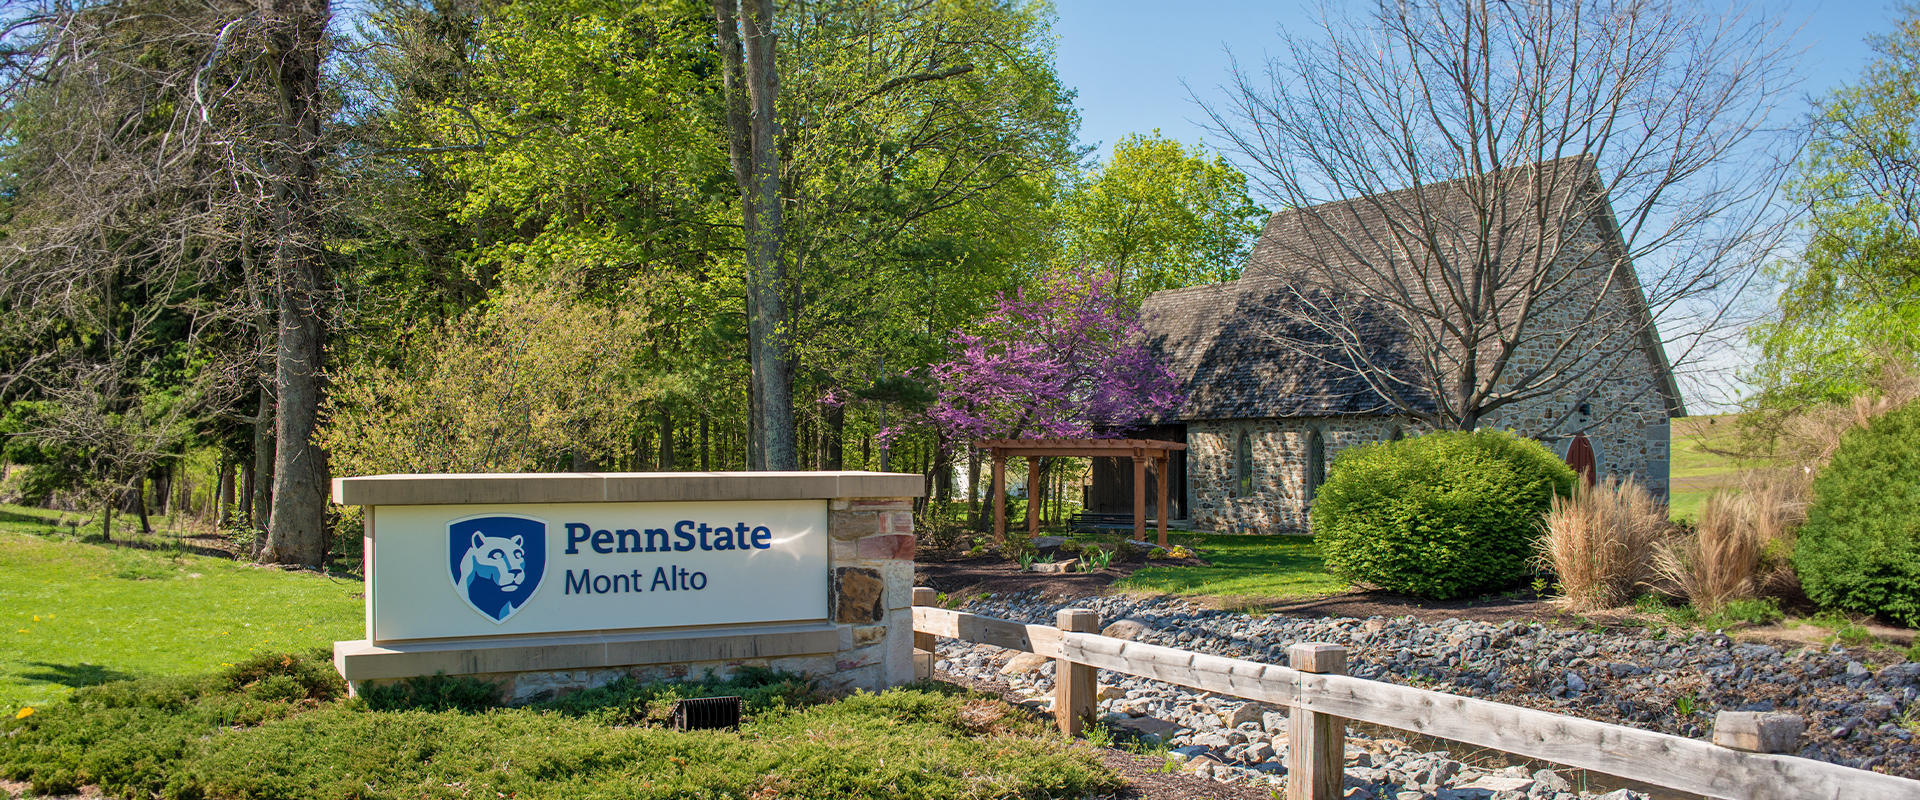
(1857,712)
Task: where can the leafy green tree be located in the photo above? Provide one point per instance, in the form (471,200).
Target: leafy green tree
(533,380)
(1160,215)
(1852,299)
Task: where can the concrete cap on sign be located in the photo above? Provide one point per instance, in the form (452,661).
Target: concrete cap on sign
(618,487)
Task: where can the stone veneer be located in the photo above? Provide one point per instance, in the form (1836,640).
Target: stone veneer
(865,643)
(1278,502)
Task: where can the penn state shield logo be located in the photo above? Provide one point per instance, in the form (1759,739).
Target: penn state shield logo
(497,562)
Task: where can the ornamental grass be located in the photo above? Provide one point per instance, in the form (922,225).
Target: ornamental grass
(1601,542)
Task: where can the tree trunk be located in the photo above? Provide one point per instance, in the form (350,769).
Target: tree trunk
(296,525)
(751,80)
(973,486)
(106,519)
(223,493)
(706,463)
(139,491)
(162,491)
(668,461)
(835,455)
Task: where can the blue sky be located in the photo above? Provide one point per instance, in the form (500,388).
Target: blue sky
(1128,58)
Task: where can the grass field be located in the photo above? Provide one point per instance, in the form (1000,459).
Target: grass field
(74,614)
(1698,470)
(1241,570)
(158,673)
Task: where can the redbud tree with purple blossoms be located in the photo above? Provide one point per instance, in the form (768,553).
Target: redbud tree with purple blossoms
(1066,360)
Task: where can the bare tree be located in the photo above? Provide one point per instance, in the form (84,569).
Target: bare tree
(1494,178)
(745,32)
(168,160)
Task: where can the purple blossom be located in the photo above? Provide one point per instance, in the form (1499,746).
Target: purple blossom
(1066,363)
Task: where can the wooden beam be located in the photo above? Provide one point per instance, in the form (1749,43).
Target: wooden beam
(1689,765)
(999,497)
(1033,498)
(1139,497)
(1075,685)
(1166,472)
(987,630)
(1254,681)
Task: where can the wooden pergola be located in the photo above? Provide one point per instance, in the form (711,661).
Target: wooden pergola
(1142,451)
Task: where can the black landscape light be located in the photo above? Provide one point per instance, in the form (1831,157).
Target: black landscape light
(706,713)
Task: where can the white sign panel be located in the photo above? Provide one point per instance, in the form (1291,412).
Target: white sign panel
(489,570)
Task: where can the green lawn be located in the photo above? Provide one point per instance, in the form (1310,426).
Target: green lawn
(1242,570)
(1697,470)
(75,614)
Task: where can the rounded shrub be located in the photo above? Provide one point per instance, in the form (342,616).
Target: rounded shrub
(1444,515)
(1860,548)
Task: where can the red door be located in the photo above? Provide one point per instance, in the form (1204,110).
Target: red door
(1580,457)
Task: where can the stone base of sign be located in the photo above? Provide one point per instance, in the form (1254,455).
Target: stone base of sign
(865,643)
(537,668)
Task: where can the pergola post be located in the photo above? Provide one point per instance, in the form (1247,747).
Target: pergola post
(1033,498)
(1165,467)
(1139,495)
(999,497)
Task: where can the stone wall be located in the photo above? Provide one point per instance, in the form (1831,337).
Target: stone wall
(1278,502)
(866,642)
(1618,378)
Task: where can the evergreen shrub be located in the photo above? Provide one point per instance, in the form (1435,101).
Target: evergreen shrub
(1444,515)
(1860,548)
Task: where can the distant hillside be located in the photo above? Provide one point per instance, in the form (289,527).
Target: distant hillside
(1697,469)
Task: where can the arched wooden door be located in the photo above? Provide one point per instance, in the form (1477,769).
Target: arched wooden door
(1580,457)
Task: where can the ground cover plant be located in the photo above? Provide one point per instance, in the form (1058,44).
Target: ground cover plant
(74,614)
(1444,515)
(278,726)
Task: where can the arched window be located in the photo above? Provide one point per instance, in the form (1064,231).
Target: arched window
(1243,464)
(1316,462)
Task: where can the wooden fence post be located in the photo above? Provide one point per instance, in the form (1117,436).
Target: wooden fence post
(1757,732)
(1316,743)
(924,644)
(1074,685)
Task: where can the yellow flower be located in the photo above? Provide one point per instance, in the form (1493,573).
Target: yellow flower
(36,618)
(22,630)
(26,711)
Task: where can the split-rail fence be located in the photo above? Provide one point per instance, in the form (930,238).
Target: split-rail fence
(1744,762)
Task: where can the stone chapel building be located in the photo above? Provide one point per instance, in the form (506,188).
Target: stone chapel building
(1262,422)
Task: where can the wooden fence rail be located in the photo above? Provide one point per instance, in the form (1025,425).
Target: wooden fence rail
(1320,696)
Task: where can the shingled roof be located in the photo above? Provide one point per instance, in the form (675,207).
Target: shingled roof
(1220,341)
(1227,341)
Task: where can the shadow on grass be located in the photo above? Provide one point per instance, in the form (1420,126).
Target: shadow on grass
(29,519)
(74,675)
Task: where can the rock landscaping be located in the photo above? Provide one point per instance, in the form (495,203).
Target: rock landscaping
(1859,712)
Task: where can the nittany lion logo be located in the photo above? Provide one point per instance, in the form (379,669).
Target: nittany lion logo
(497,562)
